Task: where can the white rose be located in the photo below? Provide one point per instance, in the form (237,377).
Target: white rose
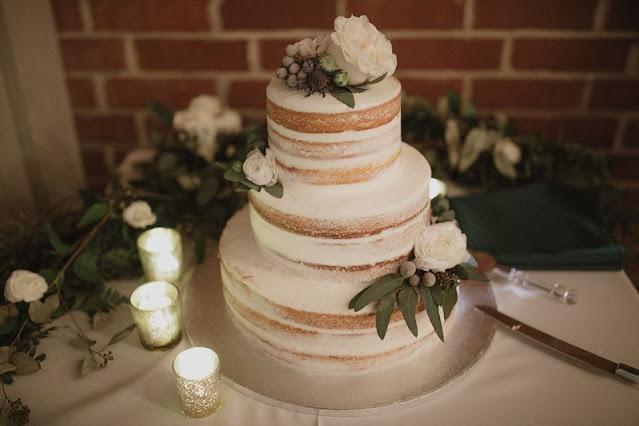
(439,247)
(139,214)
(229,121)
(505,155)
(312,47)
(206,103)
(24,286)
(199,123)
(452,138)
(361,50)
(259,168)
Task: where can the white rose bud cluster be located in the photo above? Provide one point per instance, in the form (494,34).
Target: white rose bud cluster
(24,286)
(205,118)
(439,247)
(259,168)
(139,215)
(361,50)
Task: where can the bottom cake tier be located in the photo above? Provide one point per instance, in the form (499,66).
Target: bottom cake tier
(307,323)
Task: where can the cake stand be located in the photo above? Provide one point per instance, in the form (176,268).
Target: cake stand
(263,378)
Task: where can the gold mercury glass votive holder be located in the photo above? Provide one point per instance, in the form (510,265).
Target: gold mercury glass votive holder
(156,313)
(160,252)
(197,372)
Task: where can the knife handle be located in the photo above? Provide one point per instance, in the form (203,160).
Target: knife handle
(627,372)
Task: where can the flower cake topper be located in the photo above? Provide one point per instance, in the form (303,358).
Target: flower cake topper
(353,57)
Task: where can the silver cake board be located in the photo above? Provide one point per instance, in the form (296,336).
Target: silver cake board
(244,368)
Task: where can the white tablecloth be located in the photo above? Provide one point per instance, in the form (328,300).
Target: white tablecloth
(516,382)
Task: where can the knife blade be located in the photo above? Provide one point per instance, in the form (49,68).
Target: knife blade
(622,370)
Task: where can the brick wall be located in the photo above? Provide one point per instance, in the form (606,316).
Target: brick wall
(569,68)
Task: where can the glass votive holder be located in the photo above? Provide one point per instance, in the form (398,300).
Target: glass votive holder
(156,313)
(160,252)
(436,188)
(197,372)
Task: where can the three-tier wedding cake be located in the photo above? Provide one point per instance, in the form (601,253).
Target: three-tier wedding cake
(354,200)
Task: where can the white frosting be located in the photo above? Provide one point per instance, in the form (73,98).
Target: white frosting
(391,192)
(282,95)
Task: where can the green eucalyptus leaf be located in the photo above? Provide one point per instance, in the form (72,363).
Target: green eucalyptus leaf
(438,294)
(242,188)
(10,325)
(385,309)
(6,368)
(351,304)
(276,190)
(121,335)
(93,214)
(89,364)
(407,299)
(433,312)
(85,265)
(380,288)
(376,80)
(39,313)
(355,89)
(250,184)
(163,113)
(48,274)
(5,354)
(206,191)
(82,342)
(461,272)
(58,246)
(344,97)
(24,363)
(234,175)
(450,299)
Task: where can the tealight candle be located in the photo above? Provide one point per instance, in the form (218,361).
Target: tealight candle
(197,372)
(436,188)
(160,252)
(156,313)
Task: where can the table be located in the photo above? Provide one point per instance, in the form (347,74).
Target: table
(516,382)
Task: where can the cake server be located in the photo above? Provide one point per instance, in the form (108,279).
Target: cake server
(621,370)
(567,295)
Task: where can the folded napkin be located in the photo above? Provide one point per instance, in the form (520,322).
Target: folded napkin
(540,226)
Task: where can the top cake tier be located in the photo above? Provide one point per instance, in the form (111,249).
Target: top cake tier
(319,140)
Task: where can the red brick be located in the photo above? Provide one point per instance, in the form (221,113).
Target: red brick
(81,92)
(624,166)
(280,14)
(191,55)
(105,128)
(151,15)
(448,53)
(527,94)
(570,54)
(272,52)
(409,14)
(623,15)
(615,94)
(597,132)
(430,89)
(632,133)
(67,15)
(547,14)
(104,54)
(248,94)
(176,93)
(95,165)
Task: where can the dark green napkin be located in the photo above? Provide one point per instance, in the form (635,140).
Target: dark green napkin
(540,226)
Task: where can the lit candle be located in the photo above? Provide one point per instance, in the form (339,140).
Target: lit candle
(437,187)
(197,372)
(156,312)
(160,252)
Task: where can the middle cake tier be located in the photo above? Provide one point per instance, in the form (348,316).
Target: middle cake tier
(356,231)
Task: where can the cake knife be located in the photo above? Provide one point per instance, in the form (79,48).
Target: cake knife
(622,370)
